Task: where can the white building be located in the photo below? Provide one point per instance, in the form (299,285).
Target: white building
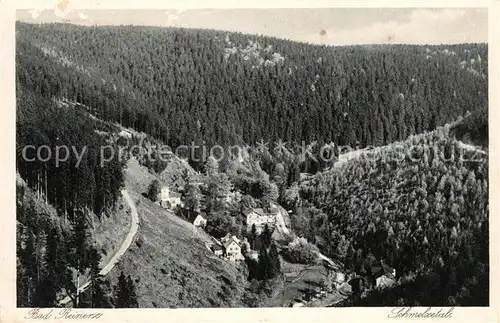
(253,254)
(230,237)
(200,221)
(169,199)
(339,279)
(232,246)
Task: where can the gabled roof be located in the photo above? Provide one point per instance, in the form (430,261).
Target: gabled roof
(259,211)
(226,237)
(388,270)
(274,210)
(379,269)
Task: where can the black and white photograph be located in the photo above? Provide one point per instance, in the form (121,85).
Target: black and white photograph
(252,158)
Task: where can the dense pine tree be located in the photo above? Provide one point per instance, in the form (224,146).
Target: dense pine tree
(187,86)
(121,292)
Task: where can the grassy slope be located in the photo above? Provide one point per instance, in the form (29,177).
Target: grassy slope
(169,261)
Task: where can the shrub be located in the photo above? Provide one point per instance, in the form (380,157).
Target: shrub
(301,251)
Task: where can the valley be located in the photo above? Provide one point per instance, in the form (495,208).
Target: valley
(360,176)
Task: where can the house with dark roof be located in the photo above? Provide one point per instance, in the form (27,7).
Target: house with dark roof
(217,249)
(260,217)
(232,247)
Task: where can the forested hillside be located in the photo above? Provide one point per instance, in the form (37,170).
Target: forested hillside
(184,85)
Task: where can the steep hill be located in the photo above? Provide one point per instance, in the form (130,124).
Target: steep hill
(420,205)
(95,87)
(473,129)
(184,85)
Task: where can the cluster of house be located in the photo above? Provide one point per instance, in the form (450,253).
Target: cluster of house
(378,274)
(257,217)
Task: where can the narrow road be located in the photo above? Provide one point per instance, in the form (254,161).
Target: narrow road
(123,248)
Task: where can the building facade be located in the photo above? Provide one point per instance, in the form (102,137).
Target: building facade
(260,218)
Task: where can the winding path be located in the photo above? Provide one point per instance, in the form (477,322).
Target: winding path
(123,248)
